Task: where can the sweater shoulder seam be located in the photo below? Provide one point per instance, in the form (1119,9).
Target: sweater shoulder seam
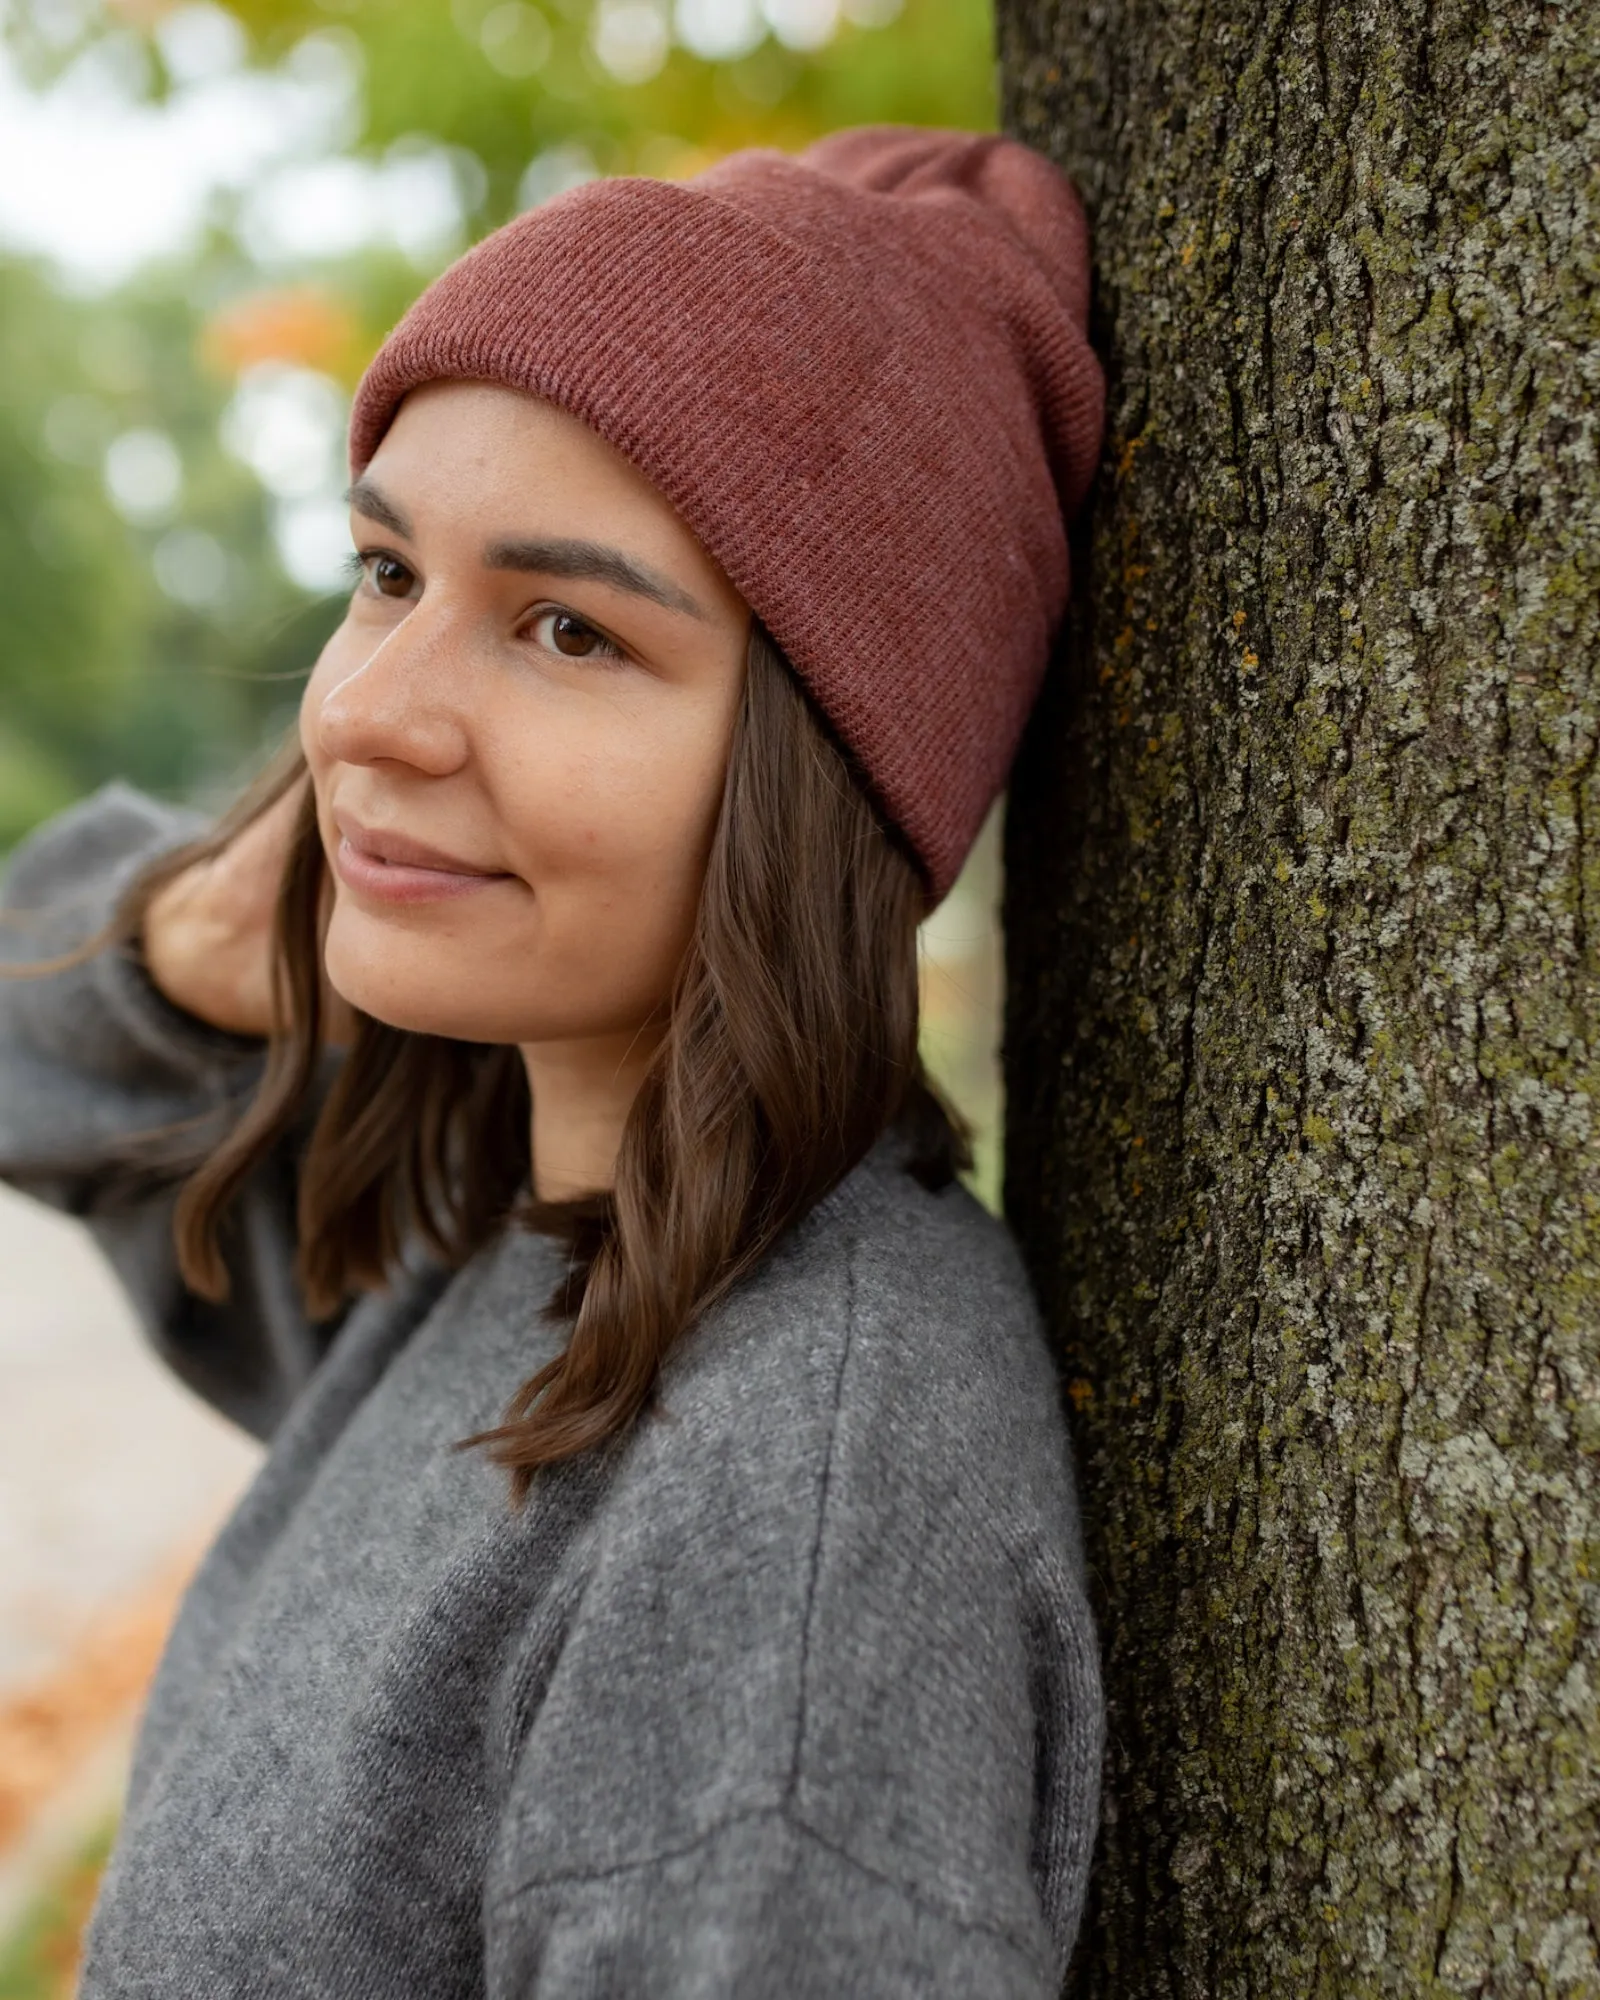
(814,1561)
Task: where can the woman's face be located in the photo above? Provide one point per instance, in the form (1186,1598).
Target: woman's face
(519,733)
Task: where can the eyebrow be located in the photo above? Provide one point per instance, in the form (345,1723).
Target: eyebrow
(558,556)
(594,560)
(365,498)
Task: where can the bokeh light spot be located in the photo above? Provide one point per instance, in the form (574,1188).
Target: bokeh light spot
(516,39)
(192,568)
(631,39)
(719,30)
(802,24)
(143,475)
(286,424)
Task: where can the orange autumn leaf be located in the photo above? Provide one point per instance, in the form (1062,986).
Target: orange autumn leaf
(49,1727)
(302,324)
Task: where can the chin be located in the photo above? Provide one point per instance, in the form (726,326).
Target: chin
(418,1014)
(393,988)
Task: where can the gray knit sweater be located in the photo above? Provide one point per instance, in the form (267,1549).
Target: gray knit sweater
(791,1693)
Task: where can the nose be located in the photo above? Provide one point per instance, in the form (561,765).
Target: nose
(405,703)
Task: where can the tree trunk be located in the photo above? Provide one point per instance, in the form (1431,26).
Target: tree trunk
(1304,1032)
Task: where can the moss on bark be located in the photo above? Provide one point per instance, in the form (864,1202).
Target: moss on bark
(1304,1028)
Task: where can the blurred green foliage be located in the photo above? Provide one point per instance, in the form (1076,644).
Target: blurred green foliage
(39,1961)
(504,80)
(157,635)
(428,71)
(101,670)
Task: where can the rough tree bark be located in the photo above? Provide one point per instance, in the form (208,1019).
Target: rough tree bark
(1303,1043)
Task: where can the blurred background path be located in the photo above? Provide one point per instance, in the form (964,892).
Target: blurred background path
(111,1478)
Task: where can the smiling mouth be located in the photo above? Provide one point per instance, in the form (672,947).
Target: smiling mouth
(392,868)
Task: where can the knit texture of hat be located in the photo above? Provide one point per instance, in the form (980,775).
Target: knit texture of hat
(861,377)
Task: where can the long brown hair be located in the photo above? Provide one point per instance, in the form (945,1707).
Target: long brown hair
(790,1046)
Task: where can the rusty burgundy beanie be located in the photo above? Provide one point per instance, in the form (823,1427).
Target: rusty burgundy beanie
(861,377)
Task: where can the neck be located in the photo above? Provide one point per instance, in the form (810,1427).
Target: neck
(582,1094)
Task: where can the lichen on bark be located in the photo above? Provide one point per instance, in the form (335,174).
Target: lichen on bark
(1303,1038)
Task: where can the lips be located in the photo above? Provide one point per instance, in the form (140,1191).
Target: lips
(393,867)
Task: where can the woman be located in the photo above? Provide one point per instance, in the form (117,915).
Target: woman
(664,1577)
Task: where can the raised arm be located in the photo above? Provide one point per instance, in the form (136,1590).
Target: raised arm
(110,1093)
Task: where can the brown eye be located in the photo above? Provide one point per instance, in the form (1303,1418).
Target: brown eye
(390,577)
(571,636)
(566,633)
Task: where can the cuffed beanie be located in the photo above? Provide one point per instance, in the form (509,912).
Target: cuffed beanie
(861,376)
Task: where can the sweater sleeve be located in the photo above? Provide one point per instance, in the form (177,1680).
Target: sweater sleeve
(825,1717)
(109,1096)
(762,1908)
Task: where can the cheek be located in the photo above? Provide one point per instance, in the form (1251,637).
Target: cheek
(631,812)
(616,859)
(613,846)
